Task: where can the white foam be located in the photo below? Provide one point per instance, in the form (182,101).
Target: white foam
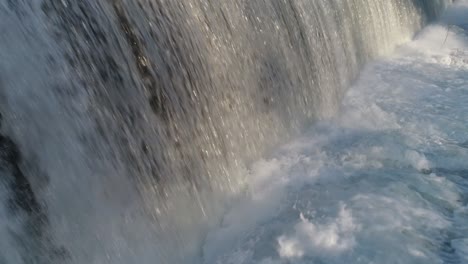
(309,238)
(417,160)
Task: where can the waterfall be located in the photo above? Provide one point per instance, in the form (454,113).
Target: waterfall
(128,124)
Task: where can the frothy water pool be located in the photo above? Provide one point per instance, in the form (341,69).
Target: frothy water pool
(386,181)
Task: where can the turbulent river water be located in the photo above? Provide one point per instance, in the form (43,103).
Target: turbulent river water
(153,131)
(386,181)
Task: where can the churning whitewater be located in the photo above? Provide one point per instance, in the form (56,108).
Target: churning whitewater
(151,131)
(386,181)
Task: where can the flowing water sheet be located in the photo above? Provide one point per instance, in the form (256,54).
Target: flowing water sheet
(386,181)
(126,128)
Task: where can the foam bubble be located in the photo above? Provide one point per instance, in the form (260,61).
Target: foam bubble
(309,238)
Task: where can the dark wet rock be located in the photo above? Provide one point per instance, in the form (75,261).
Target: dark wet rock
(23,201)
(10,159)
